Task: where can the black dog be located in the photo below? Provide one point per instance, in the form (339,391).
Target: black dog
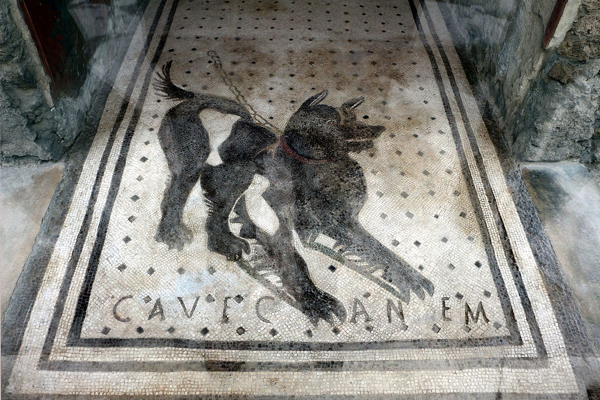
(315,188)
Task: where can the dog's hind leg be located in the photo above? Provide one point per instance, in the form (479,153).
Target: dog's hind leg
(186,147)
(171,229)
(223,186)
(248,229)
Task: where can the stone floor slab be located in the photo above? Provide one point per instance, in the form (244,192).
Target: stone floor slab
(26,193)
(567,198)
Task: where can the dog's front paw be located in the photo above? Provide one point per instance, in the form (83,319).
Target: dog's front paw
(228,245)
(175,236)
(317,304)
(407,280)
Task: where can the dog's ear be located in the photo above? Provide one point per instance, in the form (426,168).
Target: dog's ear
(352,104)
(314,100)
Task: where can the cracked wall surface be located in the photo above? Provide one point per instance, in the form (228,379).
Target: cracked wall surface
(24,110)
(546,100)
(35,127)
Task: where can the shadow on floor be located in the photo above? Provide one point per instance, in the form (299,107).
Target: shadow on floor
(24,198)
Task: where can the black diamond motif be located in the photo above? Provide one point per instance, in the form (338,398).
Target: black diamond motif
(204,331)
(209,298)
(238,299)
(150,271)
(122,267)
(147,299)
(139,329)
(332,268)
(240,330)
(127,239)
(132,218)
(135,197)
(180,270)
(105,330)
(273,332)
(436,328)
(336,330)
(171,330)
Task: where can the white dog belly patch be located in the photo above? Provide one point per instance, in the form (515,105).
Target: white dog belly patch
(218,126)
(261,214)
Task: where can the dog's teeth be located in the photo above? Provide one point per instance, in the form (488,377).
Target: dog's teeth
(275,280)
(378,273)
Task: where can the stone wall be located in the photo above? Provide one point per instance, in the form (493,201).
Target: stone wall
(34,126)
(26,125)
(546,100)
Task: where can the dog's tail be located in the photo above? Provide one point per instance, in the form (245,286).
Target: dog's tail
(166,88)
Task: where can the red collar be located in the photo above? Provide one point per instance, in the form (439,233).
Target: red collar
(288,150)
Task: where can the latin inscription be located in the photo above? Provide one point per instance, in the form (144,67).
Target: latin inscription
(471,313)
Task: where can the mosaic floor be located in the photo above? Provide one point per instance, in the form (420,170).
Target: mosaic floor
(336,221)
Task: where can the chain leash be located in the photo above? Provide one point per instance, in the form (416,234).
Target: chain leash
(241,99)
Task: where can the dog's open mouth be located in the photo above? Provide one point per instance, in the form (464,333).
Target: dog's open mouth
(359,140)
(364,141)
(358,145)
